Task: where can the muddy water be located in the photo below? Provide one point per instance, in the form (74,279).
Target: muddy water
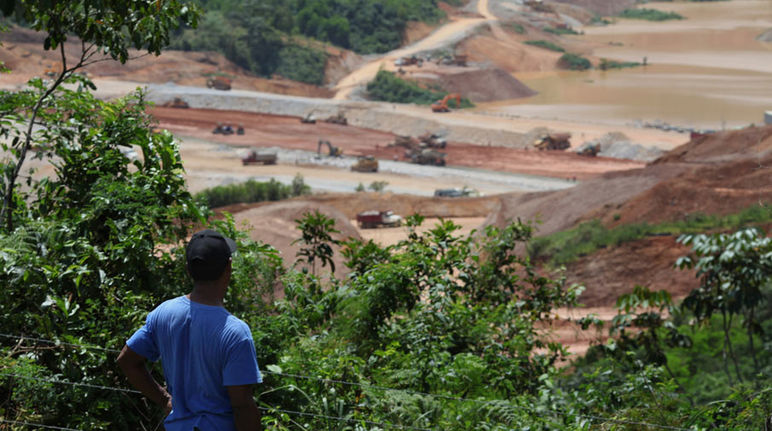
(705,71)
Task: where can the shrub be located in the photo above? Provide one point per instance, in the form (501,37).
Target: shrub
(574,62)
(649,14)
(606,64)
(546,45)
(560,30)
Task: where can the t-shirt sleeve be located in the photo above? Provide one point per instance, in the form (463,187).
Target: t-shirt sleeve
(241,362)
(143,342)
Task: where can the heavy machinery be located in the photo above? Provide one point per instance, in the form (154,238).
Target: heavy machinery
(554,141)
(442,105)
(223,129)
(365,164)
(426,156)
(255,158)
(176,103)
(338,118)
(333,151)
(455,193)
(589,150)
(432,140)
(218,83)
(373,219)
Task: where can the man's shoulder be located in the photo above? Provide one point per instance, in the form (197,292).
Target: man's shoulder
(170,306)
(237,327)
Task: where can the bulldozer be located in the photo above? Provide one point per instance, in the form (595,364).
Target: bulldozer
(333,151)
(219,83)
(442,105)
(432,140)
(426,156)
(554,141)
(365,164)
(338,118)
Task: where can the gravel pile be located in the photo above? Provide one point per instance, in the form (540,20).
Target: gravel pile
(619,146)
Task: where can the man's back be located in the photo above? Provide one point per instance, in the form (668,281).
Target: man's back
(203,349)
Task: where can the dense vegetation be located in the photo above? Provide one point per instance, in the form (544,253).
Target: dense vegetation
(440,331)
(388,87)
(649,14)
(271,37)
(251,191)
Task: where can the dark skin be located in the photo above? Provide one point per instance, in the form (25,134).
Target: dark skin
(245,412)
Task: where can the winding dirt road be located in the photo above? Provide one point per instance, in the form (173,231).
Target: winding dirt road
(453,31)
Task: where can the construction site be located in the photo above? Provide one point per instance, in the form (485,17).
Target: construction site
(683,134)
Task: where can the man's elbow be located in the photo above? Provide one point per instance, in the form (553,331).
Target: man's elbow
(128,360)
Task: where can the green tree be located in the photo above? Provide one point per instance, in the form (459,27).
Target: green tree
(733,269)
(317,240)
(110,28)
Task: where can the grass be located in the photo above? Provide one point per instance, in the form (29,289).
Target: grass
(649,14)
(546,45)
(560,31)
(567,246)
(606,64)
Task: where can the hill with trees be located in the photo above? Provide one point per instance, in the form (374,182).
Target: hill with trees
(287,38)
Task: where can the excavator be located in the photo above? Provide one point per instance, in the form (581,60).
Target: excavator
(333,150)
(442,105)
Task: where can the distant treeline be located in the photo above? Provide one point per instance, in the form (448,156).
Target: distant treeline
(271,37)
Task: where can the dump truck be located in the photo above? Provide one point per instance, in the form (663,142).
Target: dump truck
(176,103)
(374,219)
(219,83)
(455,193)
(589,150)
(442,105)
(554,141)
(332,150)
(255,158)
(365,164)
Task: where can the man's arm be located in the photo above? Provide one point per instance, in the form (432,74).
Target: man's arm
(133,366)
(245,412)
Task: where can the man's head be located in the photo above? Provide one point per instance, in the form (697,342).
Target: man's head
(208,254)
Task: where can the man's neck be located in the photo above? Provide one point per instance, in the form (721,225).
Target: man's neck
(207,295)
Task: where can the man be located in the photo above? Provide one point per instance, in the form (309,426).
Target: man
(208,355)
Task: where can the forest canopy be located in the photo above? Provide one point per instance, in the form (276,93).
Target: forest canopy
(282,36)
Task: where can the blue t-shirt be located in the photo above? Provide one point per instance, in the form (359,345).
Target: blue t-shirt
(203,349)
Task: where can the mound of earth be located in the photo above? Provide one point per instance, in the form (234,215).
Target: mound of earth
(485,85)
(274,224)
(715,174)
(722,147)
(615,271)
